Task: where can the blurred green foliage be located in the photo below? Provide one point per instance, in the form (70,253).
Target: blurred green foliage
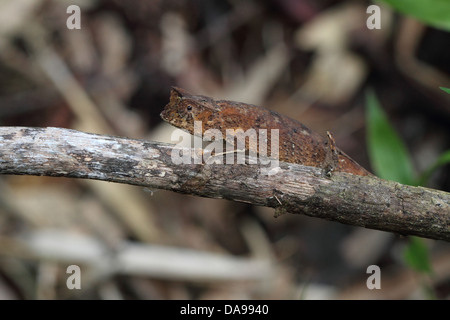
(445,89)
(416,255)
(388,155)
(391,160)
(435,13)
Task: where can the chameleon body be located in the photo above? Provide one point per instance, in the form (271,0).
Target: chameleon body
(297,143)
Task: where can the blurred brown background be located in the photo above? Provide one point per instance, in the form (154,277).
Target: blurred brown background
(310,60)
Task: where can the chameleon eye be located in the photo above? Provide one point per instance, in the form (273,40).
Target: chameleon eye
(189,107)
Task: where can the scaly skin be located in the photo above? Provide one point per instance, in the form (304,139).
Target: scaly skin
(298,144)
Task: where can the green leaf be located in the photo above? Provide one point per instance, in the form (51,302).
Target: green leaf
(442,160)
(416,255)
(433,12)
(388,155)
(445,89)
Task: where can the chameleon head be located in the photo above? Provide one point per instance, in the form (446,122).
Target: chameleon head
(184,108)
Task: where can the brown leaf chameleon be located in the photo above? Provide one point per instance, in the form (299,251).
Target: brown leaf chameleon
(297,143)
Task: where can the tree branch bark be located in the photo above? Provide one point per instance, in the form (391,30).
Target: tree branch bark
(355,200)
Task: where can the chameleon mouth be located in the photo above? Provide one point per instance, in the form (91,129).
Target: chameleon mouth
(167,116)
(163,115)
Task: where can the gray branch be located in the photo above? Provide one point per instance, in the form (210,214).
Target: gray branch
(360,201)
